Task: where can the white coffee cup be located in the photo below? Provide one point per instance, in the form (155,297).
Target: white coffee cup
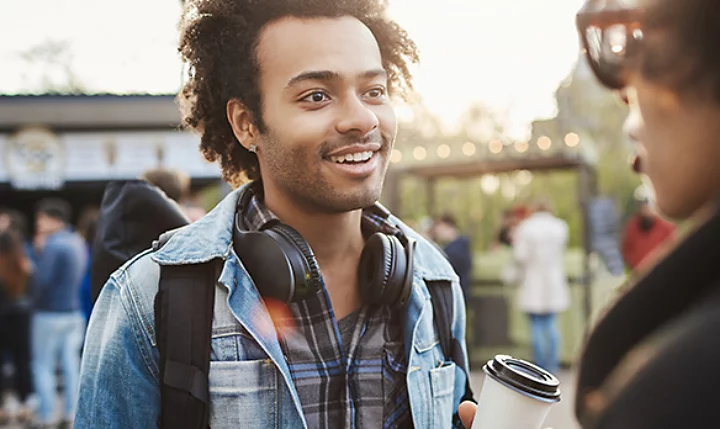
(515,395)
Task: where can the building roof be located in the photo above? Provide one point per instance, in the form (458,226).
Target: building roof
(89,112)
(495,166)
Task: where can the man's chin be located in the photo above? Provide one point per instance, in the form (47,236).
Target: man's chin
(356,198)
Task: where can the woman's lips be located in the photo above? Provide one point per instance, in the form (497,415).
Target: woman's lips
(636,163)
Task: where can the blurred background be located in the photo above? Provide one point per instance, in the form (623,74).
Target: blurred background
(505,110)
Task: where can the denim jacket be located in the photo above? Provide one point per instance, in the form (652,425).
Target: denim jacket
(249,381)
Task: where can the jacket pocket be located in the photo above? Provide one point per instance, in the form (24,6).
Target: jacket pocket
(442,383)
(243,394)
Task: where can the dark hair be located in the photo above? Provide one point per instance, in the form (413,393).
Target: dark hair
(688,57)
(55,208)
(175,184)
(87,224)
(10,241)
(448,219)
(218,42)
(18,221)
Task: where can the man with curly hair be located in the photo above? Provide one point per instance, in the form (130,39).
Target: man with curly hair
(293,95)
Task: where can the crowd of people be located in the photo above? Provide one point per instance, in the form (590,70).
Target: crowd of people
(40,305)
(46,300)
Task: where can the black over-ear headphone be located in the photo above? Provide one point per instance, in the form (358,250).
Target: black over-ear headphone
(283,267)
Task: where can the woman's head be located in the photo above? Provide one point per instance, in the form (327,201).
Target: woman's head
(661,54)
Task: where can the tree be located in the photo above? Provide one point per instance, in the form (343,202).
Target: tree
(49,69)
(583,107)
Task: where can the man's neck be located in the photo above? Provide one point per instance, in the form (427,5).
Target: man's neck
(333,237)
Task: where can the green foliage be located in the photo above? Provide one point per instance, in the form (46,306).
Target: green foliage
(583,107)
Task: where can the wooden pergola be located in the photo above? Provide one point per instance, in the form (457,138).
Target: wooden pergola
(430,174)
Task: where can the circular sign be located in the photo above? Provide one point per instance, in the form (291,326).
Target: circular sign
(35,159)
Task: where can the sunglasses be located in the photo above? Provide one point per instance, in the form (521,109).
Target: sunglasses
(611,37)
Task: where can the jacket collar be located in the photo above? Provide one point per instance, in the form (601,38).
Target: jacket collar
(211,237)
(686,277)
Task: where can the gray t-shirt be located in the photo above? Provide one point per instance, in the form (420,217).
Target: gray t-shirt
(346,325)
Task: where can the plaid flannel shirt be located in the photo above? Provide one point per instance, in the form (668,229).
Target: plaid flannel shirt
(360,384)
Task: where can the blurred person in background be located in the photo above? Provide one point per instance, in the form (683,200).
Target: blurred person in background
(507,224)
(58,326)
(174,183)
(15,313)
(86,227)
(652,360)
(539,246)
(644,233)
(456,247)
(132,214)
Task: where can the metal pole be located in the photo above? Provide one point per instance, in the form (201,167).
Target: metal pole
(430,190)
(587,190)
(392,192)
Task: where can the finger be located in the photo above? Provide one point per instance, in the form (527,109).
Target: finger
(466,411)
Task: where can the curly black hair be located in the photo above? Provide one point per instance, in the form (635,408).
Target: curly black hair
(218,44)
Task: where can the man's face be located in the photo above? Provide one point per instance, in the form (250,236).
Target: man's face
(45,224)
(325,103)
(444,232)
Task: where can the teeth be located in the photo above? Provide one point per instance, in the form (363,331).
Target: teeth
(353,157)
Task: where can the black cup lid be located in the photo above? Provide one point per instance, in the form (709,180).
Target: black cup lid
(524,377)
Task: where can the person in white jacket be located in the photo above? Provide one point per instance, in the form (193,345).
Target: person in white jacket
(538,247)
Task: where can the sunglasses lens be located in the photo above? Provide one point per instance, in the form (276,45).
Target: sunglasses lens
(608,50)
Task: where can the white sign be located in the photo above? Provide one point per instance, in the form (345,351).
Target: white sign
(34,159)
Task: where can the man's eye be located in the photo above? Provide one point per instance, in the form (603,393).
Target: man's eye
(316,97)
(376,93)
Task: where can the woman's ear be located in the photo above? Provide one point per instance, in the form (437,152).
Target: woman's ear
(241,121)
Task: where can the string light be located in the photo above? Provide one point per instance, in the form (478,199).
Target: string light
(521,147)
(572,139)
(443,151)
(468,149)
(395,156)
(495,146)
(544,143)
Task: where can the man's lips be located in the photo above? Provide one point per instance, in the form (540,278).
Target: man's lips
(355,148)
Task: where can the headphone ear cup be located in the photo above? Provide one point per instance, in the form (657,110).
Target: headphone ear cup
(305,269)
(382,270)
(395,288)
(375,268)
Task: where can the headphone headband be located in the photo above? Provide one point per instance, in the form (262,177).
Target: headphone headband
(283,267)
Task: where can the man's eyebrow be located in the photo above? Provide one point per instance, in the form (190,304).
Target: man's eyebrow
(327,75)
(322,75)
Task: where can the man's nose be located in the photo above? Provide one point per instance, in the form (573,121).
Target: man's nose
(356,117)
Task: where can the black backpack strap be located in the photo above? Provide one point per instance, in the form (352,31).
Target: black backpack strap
(184,308)
(442,302)
(164,238)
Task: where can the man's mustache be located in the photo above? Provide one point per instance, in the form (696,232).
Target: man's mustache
(339,143)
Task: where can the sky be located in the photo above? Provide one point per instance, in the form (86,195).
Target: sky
(509,55)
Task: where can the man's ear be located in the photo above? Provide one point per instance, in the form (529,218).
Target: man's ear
(241,121)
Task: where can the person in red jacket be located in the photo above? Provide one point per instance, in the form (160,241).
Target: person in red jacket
(644,232)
